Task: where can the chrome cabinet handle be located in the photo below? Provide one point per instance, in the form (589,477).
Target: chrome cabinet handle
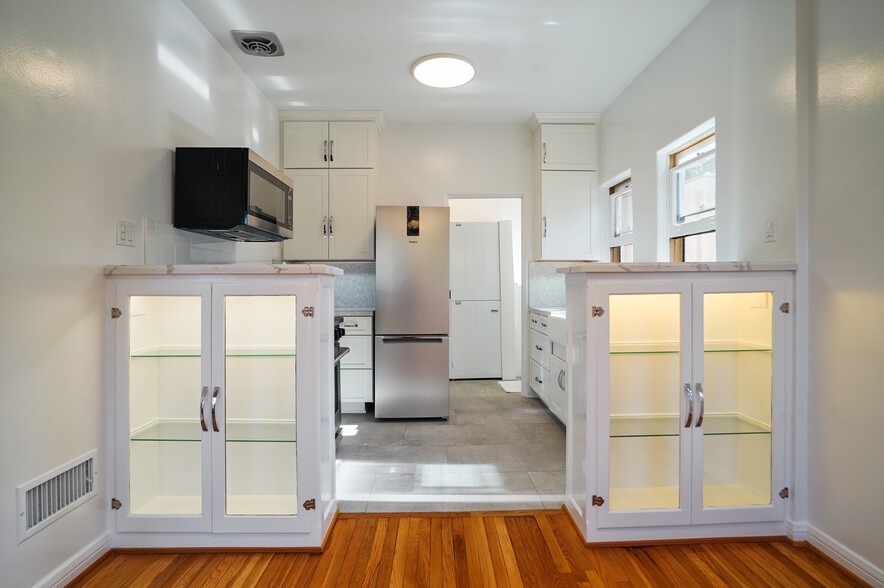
(690,395)
(331,150)
(325,151)
(544,152)
(331,226)
(203,395)
(562,379)
(702,400)
(544,227)
(325,226)
(538,348)
(214,402)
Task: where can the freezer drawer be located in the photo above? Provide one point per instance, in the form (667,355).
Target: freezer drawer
(411,377)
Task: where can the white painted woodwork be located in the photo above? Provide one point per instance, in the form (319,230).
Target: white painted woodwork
(568,147)
(475,339)
(566,222)
(335,144)
(357,367)
(474,262)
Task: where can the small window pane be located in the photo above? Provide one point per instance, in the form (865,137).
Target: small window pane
(626,253)
(695,190)
(699,247)
(621,203)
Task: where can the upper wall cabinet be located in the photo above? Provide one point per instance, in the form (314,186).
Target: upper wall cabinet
(566,180)
(331,157)
(568,147)
(321,144)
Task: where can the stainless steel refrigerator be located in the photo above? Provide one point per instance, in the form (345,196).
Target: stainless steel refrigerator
(411,312)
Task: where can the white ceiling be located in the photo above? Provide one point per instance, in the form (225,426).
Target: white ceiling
(530,55)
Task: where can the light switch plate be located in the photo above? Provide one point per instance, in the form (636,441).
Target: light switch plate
(125,233)
(770,229)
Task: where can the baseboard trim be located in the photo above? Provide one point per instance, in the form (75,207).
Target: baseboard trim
(849,559)
(77,563)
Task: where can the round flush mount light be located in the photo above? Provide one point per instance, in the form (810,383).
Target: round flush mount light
(443,70)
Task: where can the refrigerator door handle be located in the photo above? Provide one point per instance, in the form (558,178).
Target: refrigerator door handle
(410,339)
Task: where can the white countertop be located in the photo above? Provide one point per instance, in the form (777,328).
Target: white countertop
(715,266)
(238,269)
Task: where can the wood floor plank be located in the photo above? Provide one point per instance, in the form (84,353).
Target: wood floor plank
(511,564)
(518,549)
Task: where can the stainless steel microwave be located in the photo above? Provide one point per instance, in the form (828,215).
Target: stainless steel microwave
(231,193)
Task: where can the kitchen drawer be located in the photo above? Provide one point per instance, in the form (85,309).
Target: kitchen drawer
(539,381)
(539,348)
(357,325)
(360,352)
(539,322)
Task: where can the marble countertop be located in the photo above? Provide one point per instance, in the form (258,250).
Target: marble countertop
(716,266)
(238,269)
(546,311)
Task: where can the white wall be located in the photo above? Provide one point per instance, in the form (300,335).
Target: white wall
(846,275)
(94,96)
(735,62)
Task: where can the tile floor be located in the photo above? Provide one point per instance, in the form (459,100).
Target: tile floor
(496,451)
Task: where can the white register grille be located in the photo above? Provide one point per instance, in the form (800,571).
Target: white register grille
(48,497)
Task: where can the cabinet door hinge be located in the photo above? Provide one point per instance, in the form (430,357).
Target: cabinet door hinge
(307,311)
(116,504)
(784,493)
(116,313)
(784,308)
(597,311)
(597,500)
(310,504)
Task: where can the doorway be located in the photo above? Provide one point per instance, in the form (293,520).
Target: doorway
(506,210)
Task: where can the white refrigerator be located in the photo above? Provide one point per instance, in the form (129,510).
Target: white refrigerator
(475,311)
(411,312)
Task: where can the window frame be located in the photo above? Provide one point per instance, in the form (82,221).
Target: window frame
(679,159)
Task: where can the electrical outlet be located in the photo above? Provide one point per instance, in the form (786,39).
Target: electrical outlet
(770,229)
(125,233)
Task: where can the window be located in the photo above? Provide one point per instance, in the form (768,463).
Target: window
(621,221)
(692,200)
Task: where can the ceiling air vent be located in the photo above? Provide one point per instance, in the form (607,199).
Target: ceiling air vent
(260,43)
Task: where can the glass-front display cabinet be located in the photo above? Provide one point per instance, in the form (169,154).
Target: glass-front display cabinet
(219,403)
(684,379)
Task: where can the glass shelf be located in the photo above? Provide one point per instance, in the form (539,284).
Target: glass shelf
(237,431)
(671,348)
(671,425)
(164,352)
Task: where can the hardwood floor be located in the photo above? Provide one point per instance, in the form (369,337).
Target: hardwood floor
(514,548)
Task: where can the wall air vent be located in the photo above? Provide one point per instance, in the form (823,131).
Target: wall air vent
(260,43)
(45,499)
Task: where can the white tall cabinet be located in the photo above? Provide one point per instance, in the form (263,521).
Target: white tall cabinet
(678,380)
(222,404)
(332,163)
(566,181)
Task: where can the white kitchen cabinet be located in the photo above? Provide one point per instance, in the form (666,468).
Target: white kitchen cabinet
(567,147)
(334,144)
(566,220)
(357,367)
(222,404)
(679,380)
(475,339)
(538,354)
(566,182)
(334,214)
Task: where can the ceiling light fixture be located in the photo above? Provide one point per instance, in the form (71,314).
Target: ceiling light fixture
(443,70)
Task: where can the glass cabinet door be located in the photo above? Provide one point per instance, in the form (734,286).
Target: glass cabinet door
(165,372)
(259,405)
(647,443)
(735,400)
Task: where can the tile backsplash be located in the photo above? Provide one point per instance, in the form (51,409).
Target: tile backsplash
(546,288)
